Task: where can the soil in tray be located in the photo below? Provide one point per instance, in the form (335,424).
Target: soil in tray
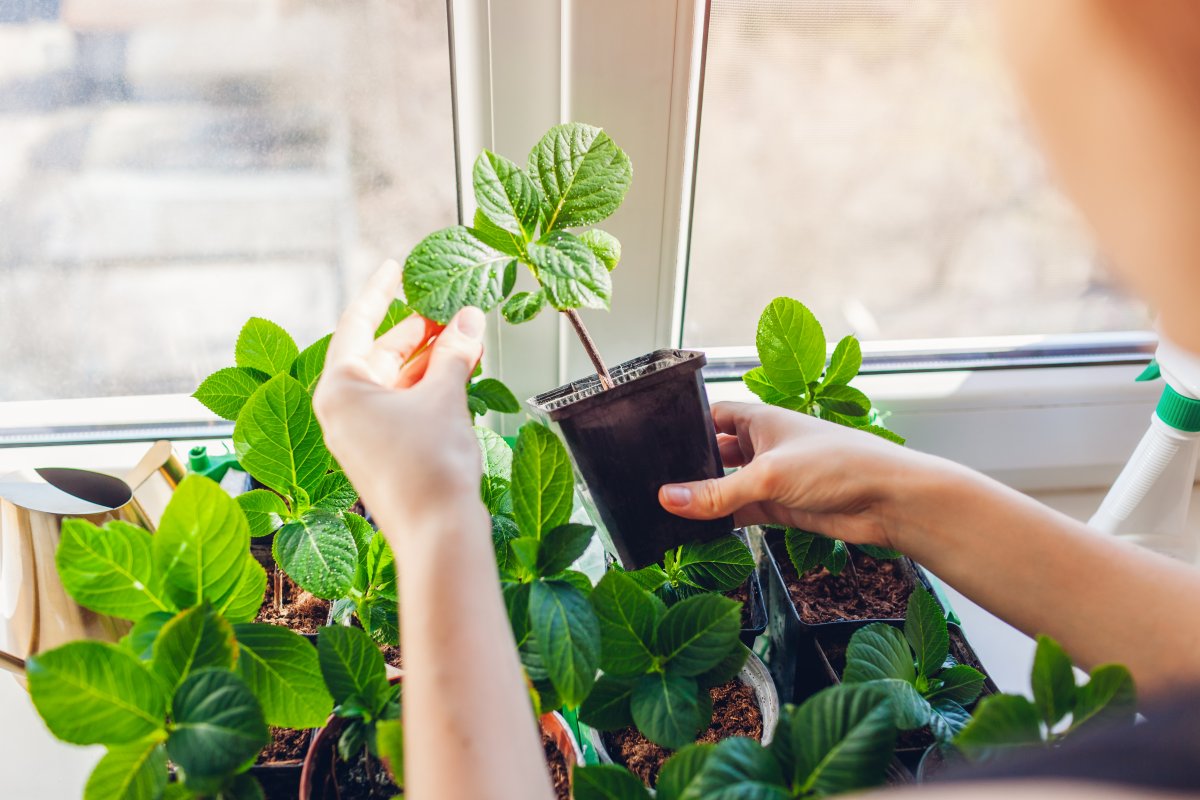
(560,776)
(735,713)
(391,654)
(742,595)
(301,611)
(358,780)
(868,588)
(286,745)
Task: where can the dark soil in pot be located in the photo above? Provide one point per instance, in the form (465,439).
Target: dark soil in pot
(299,610)
(869,588)
(278,766)
(391,654)
(735,713)
(560,774)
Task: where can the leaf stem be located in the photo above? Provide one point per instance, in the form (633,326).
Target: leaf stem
(278,590)
(585,338)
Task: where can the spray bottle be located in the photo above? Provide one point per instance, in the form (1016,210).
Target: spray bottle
(1148,504)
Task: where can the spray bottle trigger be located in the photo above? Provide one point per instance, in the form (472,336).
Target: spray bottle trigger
(1152,372)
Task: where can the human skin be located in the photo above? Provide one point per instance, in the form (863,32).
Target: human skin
(399,427)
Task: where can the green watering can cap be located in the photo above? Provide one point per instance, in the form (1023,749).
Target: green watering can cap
(1181,413)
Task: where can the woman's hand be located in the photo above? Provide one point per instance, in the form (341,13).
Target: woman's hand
(805,473)
(394,409)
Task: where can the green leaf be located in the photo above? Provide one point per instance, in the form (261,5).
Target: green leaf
(1053,681)
(523,306)
(504,531)
(476,406)
(696,634)
(845,400)
(681,776)
(756,380)
(360,530)
(227,390)
(607,706)
(880,552)
(845,362)
(278,439)
(604,246)
(909,709)
(135,771)
(200,543)
(727,669)
(878,651)
(666,709)
(266,347)
(192,640)
(496,395)
(264,510)
(453,268)
(506,195)
(241,787)
(242,602)
(283,671)
(493,235)
(309,365)
(583,175)
(838,555)
(576,578)
(542,482)
(947,719)
(353,667)
(649,578)
(840,739)
(218,728)
(791,345)
(716,566)
(140,639)
(396,313)
(960,683)
(92,692)
(516,603)
(569,273)
(737,769)
(567,636)
(110,570)
(561,547)
(807,551)
(925,630)
(1001,721)
(318,552)
(1108,697)
(375,574)
(524,550)
(628,616)
(884,433)
(334,493)
(389,740)
(606,782)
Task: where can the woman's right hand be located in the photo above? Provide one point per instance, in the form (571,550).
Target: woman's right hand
(801,472)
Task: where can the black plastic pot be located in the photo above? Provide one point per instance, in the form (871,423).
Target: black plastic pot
(793,659)
(757,624)
(653,427)
(280,780)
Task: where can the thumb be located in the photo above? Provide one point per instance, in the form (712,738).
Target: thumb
(456,350)
(712,498)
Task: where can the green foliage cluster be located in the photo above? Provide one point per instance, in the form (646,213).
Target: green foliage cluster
(720,565)
(195,680)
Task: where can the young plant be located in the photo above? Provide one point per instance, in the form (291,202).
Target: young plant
(575,177)
(195,680)
(1059,708)
(839,740)
(720,565)
(914,668)
(659,663)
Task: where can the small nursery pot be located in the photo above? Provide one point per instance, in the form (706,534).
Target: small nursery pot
(555,727)
(653,427)
(317,778)
(281,780)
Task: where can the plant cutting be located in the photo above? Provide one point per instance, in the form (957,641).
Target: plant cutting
(630,429)
(839,740)
(195,680)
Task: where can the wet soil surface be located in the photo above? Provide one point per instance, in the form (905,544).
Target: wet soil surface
(364,778)
(735,713)
(560,776)
(868,588)
(301,611)
(286,745)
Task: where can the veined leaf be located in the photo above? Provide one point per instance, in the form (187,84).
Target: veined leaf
(266,347)
(583,175)
(516,603)
(681,776)
(807,551)
(845,362)
(947,719)
(607,782)
(495,395)
(737,769)
(334,493)
(227,390)
(844,400)
(666,709)
(909,709)
(925,630)
(135,771)
(884,433)
(506,195)
(961,683)
(353,667)
(523,306)
(604,246)
(840,739)
(650,577)
(318,552)
(1001,721)
(111,569)
(1108,696)
(278,439)
(542,484)
(728,668)
(698,633)
(791,345)
(140,639)
(375,574)
(716,566)
(264,510)
(504,531)
(878,651)
(628,616)
(1053,681)
(193,639)
(756,380)
(389,739)
(567,636)
(839,554)
(607,705)
(453,268)
(218,727)
(243,601)
(200,543)
(561,547)
(283,671)
(569,273)
(396,313)
(309,365)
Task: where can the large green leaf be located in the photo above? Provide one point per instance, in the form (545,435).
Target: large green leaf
(353,667)
(140,639)
(516,603)
(200,543)
(567,636)
(807,551)
(218,728)
(909,709)
(504,532)
(791,345)
(607,706)
(278,439)
(681,777)
(375,574)
(111,569)
(698,633)
(309,365)
(607,782)
(334,493)
(542,482)
(1000,722)
(1053,681)
(604,246)
(96,693)
(840,739)
(1108,697)
(266,347)
(242,602)
(318,552)
(495,395)
(493,235)
(666,708)
(283,671)
(716,566)
(961,683)
(496,483)
(628,616)
(569,272)
(561,547)
(583,174)
(925,630)
(227,390)
(264,510)
(737,769)
(193,639)
(845,362)
(878,651)
(135,771)
(523,306)
(756,380)
(947,719)
(844,400)
(453,268)
(506,195)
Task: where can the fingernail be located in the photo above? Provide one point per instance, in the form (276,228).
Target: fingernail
(471,321)
(677,495)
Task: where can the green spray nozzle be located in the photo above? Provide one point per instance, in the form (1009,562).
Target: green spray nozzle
(214,467)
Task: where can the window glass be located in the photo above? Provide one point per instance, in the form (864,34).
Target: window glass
(169,168)
(870,159)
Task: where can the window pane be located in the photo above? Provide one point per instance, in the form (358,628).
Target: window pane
(169,168)
(870,159)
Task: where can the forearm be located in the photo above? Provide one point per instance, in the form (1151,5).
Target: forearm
(1105,600)
(471,730)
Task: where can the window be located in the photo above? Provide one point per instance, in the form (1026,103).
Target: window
(869,159)
(169,168)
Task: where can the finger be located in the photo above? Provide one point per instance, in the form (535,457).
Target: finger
(457,349)
(713,498)
(355,334)
(731,417)
(731,450)
(391,350)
